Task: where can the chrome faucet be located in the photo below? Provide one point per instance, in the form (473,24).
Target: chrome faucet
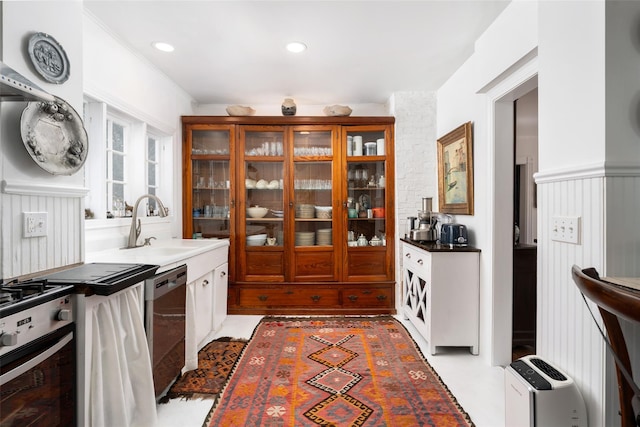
(136,227)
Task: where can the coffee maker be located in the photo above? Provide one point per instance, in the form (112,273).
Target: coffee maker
(426,230)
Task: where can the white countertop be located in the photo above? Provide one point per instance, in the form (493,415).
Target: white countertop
(165,253)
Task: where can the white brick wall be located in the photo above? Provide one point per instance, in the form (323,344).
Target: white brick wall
(416,164)
(415,156)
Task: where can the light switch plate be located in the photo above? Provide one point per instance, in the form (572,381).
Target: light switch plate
(34,224)
(565,229)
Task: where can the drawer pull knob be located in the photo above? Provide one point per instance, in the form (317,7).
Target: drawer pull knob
(381,297)
(205,283)
(408,255)
(353,298)
(420,262)
(315,298)
(223,273)
(262,298)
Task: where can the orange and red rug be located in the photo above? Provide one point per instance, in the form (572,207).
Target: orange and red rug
(347,371)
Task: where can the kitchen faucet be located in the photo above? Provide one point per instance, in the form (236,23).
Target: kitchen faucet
(134,232)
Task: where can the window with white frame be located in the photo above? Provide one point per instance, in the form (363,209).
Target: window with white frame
(127,159)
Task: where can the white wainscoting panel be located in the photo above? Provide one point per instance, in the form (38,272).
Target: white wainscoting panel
(566,333)
(63,245)
(623,260)
(609,242)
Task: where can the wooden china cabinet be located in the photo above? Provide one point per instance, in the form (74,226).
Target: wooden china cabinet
(324,183)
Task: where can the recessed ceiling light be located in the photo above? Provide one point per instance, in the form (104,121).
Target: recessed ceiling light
(165,47)
(296,47)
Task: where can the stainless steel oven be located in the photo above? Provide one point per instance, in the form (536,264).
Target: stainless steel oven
(165,324)
(37,355)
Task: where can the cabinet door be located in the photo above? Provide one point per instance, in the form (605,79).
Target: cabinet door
(315,203)
(261,211)
(204,307)
(208,181)
(220,285)
(368,180)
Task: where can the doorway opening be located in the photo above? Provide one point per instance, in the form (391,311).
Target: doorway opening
(523,333)
(501,96)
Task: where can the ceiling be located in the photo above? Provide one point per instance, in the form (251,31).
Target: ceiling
(359,52)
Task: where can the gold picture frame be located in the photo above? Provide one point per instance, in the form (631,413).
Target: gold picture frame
(455,171)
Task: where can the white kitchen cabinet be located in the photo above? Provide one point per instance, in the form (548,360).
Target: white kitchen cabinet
(203,291)
(440,294)
(220,291)
(206,286)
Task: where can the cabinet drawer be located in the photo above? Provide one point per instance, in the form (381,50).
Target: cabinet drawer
(289,297)
(416,260)
(372,297)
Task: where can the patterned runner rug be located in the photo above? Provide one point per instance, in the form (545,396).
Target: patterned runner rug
(215,364)
(347,371)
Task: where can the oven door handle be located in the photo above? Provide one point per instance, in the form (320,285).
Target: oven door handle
(17,371)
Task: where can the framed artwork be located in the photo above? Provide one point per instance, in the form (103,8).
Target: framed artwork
(455,171)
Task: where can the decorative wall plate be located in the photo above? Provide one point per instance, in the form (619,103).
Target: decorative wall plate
(48,57)
(54,136)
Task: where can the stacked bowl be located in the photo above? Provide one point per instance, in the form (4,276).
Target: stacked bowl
(324,237)
(305,238)
(305,211)
(323,212)
(256,240)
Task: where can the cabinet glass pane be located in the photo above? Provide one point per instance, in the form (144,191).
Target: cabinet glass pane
(263,144)
(214,142)
(313,203)
(265,203)
(365,143)
(312,143)
(211,198)
(366,201)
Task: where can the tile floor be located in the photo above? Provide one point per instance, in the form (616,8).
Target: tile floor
(479,388)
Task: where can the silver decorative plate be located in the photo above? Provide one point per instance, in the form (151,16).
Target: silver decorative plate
(54,136)
(49,58)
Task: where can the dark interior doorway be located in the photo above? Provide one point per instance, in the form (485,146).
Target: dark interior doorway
(524,226)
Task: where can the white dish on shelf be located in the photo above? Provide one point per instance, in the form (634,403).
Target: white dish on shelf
(257,212)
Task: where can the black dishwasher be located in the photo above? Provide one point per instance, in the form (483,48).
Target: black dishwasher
(165,324)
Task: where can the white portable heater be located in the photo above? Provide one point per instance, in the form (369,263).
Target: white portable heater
(540,395)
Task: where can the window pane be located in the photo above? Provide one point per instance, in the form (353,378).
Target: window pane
(118,167)
(151,149)
(152,203)
(118,137)
(152,174)
(118,192)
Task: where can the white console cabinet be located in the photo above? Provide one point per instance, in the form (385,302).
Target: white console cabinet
(440,294)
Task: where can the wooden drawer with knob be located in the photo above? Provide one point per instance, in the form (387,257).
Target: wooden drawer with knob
(288,296)
(368,297)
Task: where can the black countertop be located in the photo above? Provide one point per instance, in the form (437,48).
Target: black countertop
(437,247)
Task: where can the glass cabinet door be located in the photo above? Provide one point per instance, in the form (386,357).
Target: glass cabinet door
(210,183)
(367,204)
(313,196)
(366,185)
(263,218)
